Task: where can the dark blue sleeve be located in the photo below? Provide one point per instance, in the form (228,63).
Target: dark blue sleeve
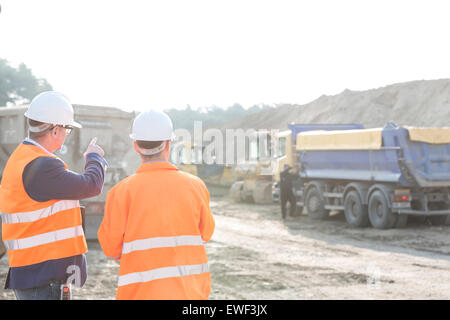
(46,178)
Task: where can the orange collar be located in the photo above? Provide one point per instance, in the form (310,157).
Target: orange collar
(160,165)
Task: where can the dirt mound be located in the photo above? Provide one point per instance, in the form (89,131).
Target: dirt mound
(416,103)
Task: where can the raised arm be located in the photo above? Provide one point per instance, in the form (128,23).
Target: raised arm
(46,178)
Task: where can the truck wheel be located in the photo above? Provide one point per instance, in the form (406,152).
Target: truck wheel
(315,205)
(437,220)
(236,191)
(380,215)
(355,212)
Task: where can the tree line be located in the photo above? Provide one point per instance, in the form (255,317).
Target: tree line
(210,116)
(18,85)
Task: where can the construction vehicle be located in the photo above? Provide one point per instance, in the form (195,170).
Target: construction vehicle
(257,178)
(285,147)
(377,177)
(252,174)
(188,157)
(110,125)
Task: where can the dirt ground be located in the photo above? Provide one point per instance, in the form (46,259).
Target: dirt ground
(255,255)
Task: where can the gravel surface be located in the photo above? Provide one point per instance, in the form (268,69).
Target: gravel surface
(255,255)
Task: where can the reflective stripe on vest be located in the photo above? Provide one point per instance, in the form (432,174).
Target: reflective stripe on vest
(44,238)
(166,272)
(39,214)
(161,242)
(161,273)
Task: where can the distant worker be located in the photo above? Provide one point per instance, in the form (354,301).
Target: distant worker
(157,221)
(41,219)
(286,192)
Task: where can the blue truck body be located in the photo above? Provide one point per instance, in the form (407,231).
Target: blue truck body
(380,183)
(400,161)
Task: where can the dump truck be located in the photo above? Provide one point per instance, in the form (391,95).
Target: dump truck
(285,142)
(267,151)
(110,125)
(377,176)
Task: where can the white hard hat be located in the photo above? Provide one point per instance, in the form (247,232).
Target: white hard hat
(152,126)
(52,107)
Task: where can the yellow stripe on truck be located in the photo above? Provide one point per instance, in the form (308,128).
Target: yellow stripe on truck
(429,135)
(359,139)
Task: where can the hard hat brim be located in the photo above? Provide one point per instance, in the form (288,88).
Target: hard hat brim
(73,123)
(76,124)
(134,137)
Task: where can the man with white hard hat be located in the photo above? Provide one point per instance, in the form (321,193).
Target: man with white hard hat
(41,219)
(156,222)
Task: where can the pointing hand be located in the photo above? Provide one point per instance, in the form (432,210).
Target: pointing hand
(94,148)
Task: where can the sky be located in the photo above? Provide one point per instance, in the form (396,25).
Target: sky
(165,54)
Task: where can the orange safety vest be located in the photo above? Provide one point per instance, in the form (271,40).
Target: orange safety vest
(156,221)
(32,231)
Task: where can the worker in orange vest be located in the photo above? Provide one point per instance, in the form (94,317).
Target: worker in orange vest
(41,218)
(157,221)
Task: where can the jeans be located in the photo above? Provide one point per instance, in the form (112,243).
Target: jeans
(50,291)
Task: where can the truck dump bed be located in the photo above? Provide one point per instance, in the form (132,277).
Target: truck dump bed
(411,157)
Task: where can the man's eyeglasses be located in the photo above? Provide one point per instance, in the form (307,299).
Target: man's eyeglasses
(68,129)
